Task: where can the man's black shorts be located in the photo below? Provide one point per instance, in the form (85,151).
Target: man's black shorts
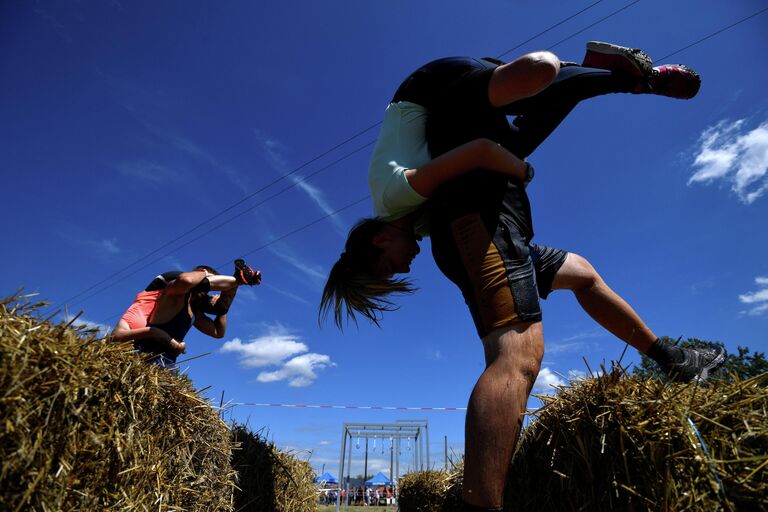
(499,271)
(481,226)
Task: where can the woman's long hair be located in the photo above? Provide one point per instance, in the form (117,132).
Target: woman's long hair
(353,285)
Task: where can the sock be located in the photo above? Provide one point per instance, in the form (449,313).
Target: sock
(665,353)
(473,508)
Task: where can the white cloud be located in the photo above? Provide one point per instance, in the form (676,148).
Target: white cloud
(284,350)
(557,348)
(205,157)
(264,351)
(313,272)
(573,343)
(758,299)
(752,297)
(758,310)
(728,152)
(289,295)
(88,324)
(579,375)
(149,172)
(199,155)
(546,380)
(101,247)
(274,150)
(299,371)
(173,263)
(109,246)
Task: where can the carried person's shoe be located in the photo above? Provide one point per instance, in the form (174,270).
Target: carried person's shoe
(244,274)
(632,61)
(672,80)
(697,364)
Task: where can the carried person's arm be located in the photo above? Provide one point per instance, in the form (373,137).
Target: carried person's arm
(188,280)
(477,154)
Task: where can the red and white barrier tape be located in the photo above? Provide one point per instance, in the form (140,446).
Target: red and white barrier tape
(369,407)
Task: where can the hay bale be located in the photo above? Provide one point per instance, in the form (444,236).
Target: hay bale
(269,479)
(86,425)
(430,491)
(617,443)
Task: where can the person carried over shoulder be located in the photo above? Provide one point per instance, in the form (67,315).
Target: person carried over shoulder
(482,227)
(403,175)
(161,315)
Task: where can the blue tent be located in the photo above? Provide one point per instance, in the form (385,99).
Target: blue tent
(327,478)
(379,479)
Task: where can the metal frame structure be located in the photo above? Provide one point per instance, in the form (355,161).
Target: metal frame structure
(417,430)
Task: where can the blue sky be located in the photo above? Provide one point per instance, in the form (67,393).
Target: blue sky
(124,125)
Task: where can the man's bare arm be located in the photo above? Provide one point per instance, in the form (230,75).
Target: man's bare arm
(215,328)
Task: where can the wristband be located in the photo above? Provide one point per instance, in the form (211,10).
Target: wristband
(203,286)
(529,173)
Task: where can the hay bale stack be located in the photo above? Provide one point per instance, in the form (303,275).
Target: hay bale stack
(86,425)
(430,491)
(617,443)
(269,479)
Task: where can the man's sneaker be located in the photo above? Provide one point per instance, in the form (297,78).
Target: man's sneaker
(672,80)
(697,364)
(632,61)
(244,274)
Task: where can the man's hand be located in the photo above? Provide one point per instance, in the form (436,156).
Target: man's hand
(177,347)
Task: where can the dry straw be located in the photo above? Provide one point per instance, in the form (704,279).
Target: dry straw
(268,479)
(431,491)
(86,425)
(620,443)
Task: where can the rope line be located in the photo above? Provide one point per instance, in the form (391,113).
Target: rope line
(240,214)
(111,277)
(275,240)
(234,205)
(614,13)
(366,407)
(222,212)
(714,34)
(548,29)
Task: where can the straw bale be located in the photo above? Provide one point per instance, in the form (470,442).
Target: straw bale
(87,425)
(618,443)
(269,479)
(621,443)
(430,491)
